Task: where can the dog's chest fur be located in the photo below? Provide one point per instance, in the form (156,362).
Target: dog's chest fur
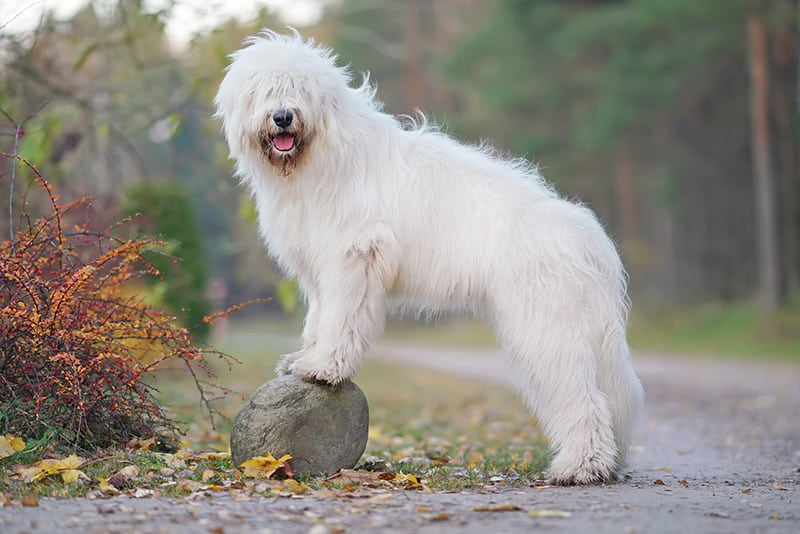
(303,234)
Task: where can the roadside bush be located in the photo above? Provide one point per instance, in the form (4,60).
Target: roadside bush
(75,347)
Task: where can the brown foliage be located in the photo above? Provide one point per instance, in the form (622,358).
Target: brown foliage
(75,345)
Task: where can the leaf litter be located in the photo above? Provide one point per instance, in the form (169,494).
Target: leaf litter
(420,450)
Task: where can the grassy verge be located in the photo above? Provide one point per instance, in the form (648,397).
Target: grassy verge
(738,330)
(449,433)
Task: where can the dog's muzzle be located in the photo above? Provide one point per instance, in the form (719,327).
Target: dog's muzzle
(284,140)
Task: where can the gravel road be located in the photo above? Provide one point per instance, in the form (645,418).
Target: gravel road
(717,451)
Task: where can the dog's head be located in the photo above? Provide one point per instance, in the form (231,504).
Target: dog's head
(277,96)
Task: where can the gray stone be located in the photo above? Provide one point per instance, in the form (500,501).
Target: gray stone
(323,427)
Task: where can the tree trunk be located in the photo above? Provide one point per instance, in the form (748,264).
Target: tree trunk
(764,187)
(413,72)
(627,199)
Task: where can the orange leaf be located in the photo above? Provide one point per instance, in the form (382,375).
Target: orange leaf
(263,466)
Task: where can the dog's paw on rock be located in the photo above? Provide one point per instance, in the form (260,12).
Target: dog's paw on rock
(323,427)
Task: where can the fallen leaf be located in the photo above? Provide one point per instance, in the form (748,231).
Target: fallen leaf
(665,469)
(361,478)
(776,516)
(659,482)
(263,466)
(745,490)
(440,458)
(106,488)
(210,455)
(476,459)
(67,468)
(70,476)
(295,487)
(777,485)
(30,500)
(498,508)
(172,460)
(261,487)
(146,444)
(156,444)
(549,513)
(208,473)
(10,445)
(129,471)
(189,486)
(407,480)
(119,481)
(683,482)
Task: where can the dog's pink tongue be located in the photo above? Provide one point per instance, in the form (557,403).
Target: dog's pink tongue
(284,141)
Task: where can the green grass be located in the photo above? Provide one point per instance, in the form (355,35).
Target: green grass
(738,330)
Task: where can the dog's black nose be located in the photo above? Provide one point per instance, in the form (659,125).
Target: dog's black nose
(283,118)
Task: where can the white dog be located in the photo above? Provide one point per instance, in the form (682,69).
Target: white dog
(363,208)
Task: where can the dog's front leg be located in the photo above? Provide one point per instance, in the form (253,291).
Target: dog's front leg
(310,328)
(351,311)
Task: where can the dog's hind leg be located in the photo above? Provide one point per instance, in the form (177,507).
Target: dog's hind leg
(619,381)
(556,363)
(351,308)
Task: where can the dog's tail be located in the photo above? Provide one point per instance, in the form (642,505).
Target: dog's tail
(618,380)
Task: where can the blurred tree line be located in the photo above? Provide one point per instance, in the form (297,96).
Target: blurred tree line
(678,121)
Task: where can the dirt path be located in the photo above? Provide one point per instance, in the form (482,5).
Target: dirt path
(718,451)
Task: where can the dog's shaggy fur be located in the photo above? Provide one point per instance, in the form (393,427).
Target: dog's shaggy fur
(364,209)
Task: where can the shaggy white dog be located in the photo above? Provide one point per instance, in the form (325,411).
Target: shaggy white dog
(363,208)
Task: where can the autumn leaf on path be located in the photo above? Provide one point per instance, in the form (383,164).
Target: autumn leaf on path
(10,445)
(263,466)
(292,486)
(67,468)
(376,478)
(358,478)
(498,508)
(407,480)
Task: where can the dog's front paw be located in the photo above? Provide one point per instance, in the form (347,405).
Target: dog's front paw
(284,366)
(312,367)
(324,375)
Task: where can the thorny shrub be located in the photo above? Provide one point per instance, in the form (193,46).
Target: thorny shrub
(75,346)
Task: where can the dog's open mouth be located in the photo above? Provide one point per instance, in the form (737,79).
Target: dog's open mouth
(283,141)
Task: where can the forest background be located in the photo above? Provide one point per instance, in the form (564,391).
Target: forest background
(677,121)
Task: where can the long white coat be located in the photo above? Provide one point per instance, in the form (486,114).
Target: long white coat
(366,209)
